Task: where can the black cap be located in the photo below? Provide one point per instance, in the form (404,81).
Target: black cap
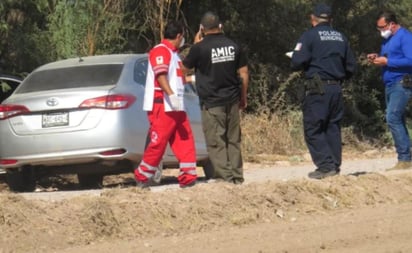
(322,11)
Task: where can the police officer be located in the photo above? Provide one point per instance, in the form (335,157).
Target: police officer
(222,80)
(326,59)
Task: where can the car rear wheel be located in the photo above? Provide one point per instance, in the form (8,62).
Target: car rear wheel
(90,180)
(21,180)
(208,169)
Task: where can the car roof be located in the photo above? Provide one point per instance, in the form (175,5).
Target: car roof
(91,60)
(11,78)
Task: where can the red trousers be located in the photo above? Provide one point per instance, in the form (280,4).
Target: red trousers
(173,128)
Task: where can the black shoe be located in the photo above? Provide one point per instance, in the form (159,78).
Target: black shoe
(238,181)
(318,174)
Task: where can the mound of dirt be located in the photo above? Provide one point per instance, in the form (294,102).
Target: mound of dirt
(131,213)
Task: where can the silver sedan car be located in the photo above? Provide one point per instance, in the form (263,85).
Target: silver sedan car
(83,116)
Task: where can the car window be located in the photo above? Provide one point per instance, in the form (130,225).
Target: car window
(7,85)
(140,71)
(71,77)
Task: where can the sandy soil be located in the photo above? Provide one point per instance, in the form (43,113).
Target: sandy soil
(278,209)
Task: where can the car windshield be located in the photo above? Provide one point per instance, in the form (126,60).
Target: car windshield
(72,77)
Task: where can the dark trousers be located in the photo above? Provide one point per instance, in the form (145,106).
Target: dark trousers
(221,126)
(321,121)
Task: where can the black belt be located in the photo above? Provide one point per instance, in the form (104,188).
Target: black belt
(331,81)
(158,100)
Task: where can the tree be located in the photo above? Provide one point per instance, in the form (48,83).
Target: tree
(91,27)
(23,36)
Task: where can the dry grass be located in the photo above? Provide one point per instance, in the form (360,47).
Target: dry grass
(132,214)
(281,136)
(272,134)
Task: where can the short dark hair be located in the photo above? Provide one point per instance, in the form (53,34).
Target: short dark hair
(210,20)
(388,16)
(172,29)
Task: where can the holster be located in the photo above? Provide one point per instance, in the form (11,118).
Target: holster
(407,81)
(314,86)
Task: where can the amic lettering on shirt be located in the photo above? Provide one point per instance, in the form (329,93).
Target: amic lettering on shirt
(330,36)
(223,54)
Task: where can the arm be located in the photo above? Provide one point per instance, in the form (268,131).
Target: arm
(301,54)
(350,67)
(244,76)
(188,63)
(159,60)
(406,60)
(164,83)
(198,37)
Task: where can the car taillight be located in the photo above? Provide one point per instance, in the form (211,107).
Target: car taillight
(8,111)
(7,161)
(119,101)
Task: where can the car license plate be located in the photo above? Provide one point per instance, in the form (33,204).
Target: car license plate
(55,119)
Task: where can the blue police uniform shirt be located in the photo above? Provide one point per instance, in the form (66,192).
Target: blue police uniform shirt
(398,49)
(324,51)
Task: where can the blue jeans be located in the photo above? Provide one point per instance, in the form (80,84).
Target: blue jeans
(397,98)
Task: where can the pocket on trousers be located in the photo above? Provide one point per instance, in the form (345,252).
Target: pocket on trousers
(210,127)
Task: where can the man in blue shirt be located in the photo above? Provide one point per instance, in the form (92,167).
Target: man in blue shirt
(395,59)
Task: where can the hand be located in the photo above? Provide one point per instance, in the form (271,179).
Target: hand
(243,103)
(174,102)
(198,37)
(190,79)
(289,54)
(380,61)
(372,57)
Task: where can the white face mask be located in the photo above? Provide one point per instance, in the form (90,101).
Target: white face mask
(386,33)
(182,42)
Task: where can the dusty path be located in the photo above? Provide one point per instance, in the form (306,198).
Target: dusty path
(278,209)
(254,173)
(369,229)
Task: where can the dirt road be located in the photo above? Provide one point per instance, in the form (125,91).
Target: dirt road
(278,209)
(368,229)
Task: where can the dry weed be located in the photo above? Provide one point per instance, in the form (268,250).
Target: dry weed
(134,214)
(274,137)
(272,134)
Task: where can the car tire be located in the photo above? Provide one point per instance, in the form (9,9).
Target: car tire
(21,180)
(90,180)
(208,169)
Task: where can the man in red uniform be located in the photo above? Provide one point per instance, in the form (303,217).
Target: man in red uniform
(164,104)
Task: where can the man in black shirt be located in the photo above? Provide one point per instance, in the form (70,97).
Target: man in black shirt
(326,59)
(222,79)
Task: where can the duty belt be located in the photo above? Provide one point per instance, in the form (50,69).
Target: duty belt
(331,81)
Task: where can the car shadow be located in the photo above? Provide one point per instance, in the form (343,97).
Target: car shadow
(70,183)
